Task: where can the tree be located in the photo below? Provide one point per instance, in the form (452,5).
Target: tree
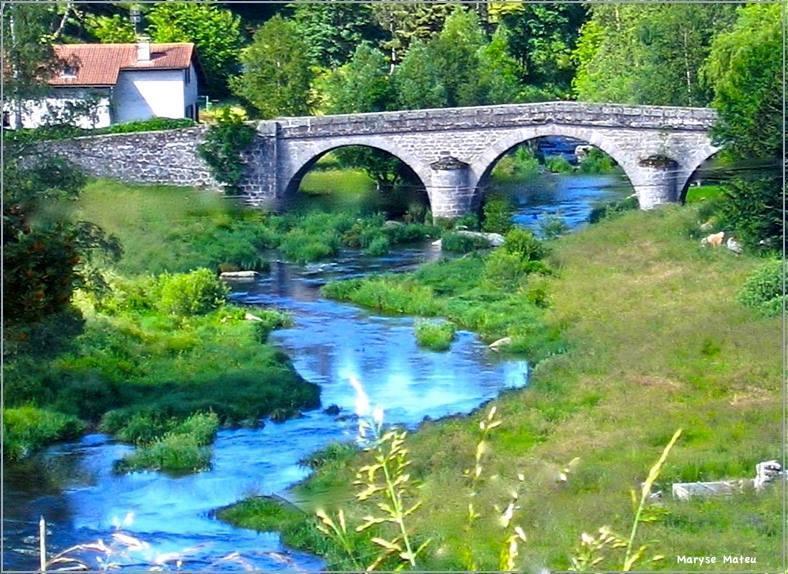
(28,57)
(333,30)
(276,75)
(499,73)
(406,23)
(216,33)
(541,39)
(115,29)
(361,85)
(647,54)
(745,70)
(417,82)
(45,252)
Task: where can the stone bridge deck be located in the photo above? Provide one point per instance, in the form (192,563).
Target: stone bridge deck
(451,151)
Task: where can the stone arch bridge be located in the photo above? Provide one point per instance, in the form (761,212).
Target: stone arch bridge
(452,151)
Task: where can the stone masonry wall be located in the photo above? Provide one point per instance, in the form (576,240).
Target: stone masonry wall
(165,157)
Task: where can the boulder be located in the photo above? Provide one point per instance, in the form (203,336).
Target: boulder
(494,239)
(391,223)
(332,410)
(239,275)
(713,240)
(501,343)
(766,472)
(251,317)
(733,245)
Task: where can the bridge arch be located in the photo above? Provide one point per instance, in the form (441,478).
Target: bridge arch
(301,158)
(483,165)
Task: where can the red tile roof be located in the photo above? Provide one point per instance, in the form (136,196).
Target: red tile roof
(99,64)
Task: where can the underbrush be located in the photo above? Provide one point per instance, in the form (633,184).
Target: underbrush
(650,348)
(28,428)
(435,335)
(161,349)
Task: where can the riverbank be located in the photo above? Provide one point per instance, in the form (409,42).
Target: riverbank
(655,341)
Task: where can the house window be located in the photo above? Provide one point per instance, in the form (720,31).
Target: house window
(188,75)
(69,72)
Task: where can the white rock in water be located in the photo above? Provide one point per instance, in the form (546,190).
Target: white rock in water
(438,243)
(494,239)
(239,275)
(733,245)
(251,317)
(500,343)
(391,223)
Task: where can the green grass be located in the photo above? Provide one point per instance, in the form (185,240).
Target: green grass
(699,193)
(28,428)
(435,335)
(655,341)
(182,448)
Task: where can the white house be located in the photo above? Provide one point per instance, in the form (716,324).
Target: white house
(103,84)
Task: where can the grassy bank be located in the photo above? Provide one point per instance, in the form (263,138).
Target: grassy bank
(655,341)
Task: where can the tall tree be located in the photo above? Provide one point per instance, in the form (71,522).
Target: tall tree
(361,85)
(333,29)
(277,74)
(216,33)
(541,39)
(647,54)
(745,67)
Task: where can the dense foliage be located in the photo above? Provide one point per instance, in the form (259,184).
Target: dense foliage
(221,148)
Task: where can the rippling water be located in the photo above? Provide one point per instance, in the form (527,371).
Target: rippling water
(72,485)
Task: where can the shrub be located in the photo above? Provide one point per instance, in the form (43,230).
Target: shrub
(613,208)
(763,289)
(222,146)
(377,247)
(504,269)
(302,247)
(435,335)
(462,243)
(552,227)
(524,243)
(271,319)
(558,164)
(194,293)
(497,214)
(173,452)
(597,161)
(66,131)
(336,452)
(518,165)
(28,428)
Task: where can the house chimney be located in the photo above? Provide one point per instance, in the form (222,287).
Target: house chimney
(143,49)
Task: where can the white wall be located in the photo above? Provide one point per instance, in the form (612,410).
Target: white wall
(63,105)
(140,95)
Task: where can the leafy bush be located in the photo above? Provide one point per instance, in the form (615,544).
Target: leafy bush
(331,454)
(195,293)
(613,208)
(462,243)
(763,290)
(378,246)
(301,246)
(597,161)
(172,452)
(504,269)
(27,428)
(552,227)
(558,164)
(435,335)
(270,319)
(222,146)
(518,165)
(525,244)
(497,214)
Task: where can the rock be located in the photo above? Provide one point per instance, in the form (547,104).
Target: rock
(332,410)
(494,239)
(501,343)
(733,245)
(239,275)
(713,240)
(708,226)
(766,472)
(438,243)
(391,223)
(251,317)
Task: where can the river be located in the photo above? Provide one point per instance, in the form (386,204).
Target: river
(72,485)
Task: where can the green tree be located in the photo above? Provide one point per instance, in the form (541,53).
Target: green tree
(46,253)
(115,29)
(333,30)
(416,80)
(745,69)
(647,54)
(541,39)
(406,23)
(456,53)
(215,32)
(499,73)
(277,76)
(361,85)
